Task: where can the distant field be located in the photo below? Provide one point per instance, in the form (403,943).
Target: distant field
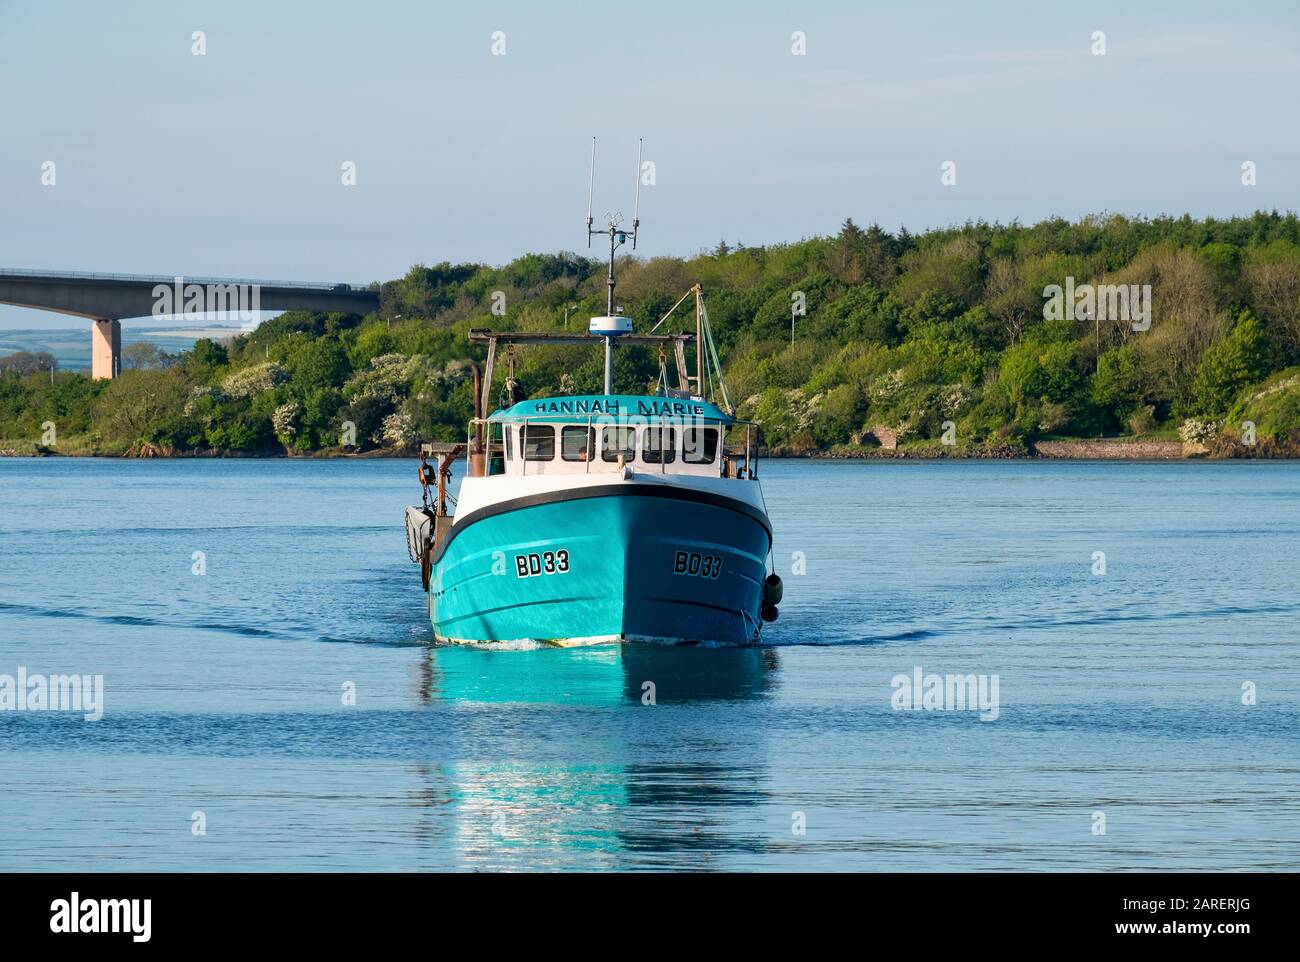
(71,346)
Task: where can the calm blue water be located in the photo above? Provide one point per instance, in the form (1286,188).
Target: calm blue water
(71,346)
(1119,694)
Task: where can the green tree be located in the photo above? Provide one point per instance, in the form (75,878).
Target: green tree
(1239,359)
(315,364)
(137,404)
(208,353)
(143,355)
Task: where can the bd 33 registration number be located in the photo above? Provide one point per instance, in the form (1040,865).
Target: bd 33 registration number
(694,563)
(543,563)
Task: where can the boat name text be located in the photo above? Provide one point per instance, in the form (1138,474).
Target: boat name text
(654,407)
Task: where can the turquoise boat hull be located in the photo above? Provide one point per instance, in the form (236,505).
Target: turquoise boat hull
(603,565)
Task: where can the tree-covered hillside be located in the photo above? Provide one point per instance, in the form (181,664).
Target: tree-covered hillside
(928,334)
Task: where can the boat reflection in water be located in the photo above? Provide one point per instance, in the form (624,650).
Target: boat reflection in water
(696,674)
(555,757)
(598,676)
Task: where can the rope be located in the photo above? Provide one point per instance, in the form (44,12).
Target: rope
(713,356)
(671,309)
(662,385)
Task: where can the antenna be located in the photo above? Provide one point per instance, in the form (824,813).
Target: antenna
(591,184)
(636,209)
(611,325)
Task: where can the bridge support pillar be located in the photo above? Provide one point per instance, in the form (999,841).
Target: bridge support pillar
(105,349)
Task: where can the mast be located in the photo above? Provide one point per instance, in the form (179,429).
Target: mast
(699,341)
(613,246)
(609,312)
(611,326)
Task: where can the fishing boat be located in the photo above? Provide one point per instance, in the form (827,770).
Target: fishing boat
(600,519)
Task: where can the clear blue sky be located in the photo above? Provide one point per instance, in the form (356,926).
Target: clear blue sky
(229,164)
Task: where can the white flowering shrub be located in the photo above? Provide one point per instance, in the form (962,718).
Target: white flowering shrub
(886,387)
(398,430)
(387,377)
(285,419)
(1283,384)
(953,398)
(197,395)
(1197,431)
(252,381)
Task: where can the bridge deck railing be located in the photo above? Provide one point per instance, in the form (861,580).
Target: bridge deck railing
(340,286)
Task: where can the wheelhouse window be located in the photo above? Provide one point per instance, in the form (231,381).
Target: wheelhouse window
(539,442)
(506,432)
(659,446)
(699,445)
(617,441)
(577,443)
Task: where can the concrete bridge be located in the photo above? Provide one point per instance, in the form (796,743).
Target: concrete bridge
(106,299)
